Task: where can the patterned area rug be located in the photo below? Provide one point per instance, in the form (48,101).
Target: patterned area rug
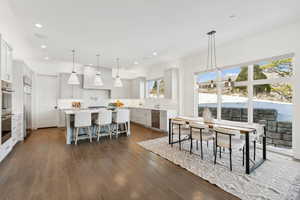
(278,178)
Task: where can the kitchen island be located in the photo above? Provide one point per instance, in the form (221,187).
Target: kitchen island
(69,118)
(152,117)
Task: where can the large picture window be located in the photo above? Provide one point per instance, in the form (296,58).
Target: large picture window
(234,94)
(207,93)
(155,88)
(250,93)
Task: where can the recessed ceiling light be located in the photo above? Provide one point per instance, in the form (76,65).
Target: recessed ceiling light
(136,62)
(154,53)
(46,58)
(43,46)
(39,25)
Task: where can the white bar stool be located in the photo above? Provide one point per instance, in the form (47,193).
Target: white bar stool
(104,120)
(83,119)
(121,117)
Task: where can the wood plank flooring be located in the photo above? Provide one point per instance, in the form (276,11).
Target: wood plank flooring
(44,167)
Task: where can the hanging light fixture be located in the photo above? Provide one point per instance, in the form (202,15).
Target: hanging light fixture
(212,58)
(98,80)
(211,54)
(73,80)
(118,81)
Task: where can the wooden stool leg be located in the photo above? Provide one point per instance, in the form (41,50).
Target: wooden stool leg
(191,140)
(90,134)
(230,157)
(98,132)
(76,135)
(109,130)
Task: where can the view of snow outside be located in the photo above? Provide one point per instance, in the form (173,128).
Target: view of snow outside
(267,96)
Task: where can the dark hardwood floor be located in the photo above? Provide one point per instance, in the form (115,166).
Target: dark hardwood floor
(44,167)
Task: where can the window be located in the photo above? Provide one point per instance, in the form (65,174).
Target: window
(155,88)
(273,69)
(207,93)
(234,94)
(251,93)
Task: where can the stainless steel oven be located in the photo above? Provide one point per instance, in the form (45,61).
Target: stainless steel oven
(6,127)
(6,117)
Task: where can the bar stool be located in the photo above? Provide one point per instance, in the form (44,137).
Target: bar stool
(181,128)
(200,132)
(104,120)
(83,119)
(121,118)
(226,138)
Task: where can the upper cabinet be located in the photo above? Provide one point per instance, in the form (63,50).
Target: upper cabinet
(6,61)
(89,74)
(138,88)
(171,83)
(132,89)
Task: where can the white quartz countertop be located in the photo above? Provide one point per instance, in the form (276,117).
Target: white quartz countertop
(151,108)
(73,111)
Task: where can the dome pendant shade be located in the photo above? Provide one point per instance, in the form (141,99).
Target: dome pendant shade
(98,80)
(73,80)
(118,82)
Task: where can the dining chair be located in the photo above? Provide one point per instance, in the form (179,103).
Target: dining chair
(200,132)
(180,128)
(83,120)
(226,138)
(104,120)
(121,118)
(254,138)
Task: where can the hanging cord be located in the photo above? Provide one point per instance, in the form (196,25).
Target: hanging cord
(211,52)
(208,53)
(73,51)
(98,73)
(215,52)
(118,67)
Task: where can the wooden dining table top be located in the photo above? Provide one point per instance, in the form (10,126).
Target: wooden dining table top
(240,128)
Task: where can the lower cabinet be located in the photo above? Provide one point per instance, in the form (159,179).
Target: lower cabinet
(152,118)
(17,135)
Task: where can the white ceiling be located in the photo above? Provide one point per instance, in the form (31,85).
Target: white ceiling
(133,29)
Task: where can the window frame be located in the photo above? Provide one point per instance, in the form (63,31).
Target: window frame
(158,88)
(250,83)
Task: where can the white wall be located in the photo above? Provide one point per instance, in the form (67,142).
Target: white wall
(12,32)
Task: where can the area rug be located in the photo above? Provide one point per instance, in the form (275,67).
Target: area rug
(278,178)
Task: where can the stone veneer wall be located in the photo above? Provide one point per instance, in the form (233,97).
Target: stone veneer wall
(279,133)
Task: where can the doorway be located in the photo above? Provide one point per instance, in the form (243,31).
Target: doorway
(47,92)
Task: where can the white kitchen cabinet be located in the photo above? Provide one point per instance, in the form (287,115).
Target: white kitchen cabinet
(17,127)
(171,83)
(89,74)
(165,115)
(6,61)
(138,88)
(68,91)
(132,89)
(122,92)
(143,116)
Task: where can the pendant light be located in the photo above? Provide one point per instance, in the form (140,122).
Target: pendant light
(98,80)
(211,53)
(73,80)
(118,81)
(212,59)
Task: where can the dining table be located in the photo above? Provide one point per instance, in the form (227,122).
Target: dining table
(243,128)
